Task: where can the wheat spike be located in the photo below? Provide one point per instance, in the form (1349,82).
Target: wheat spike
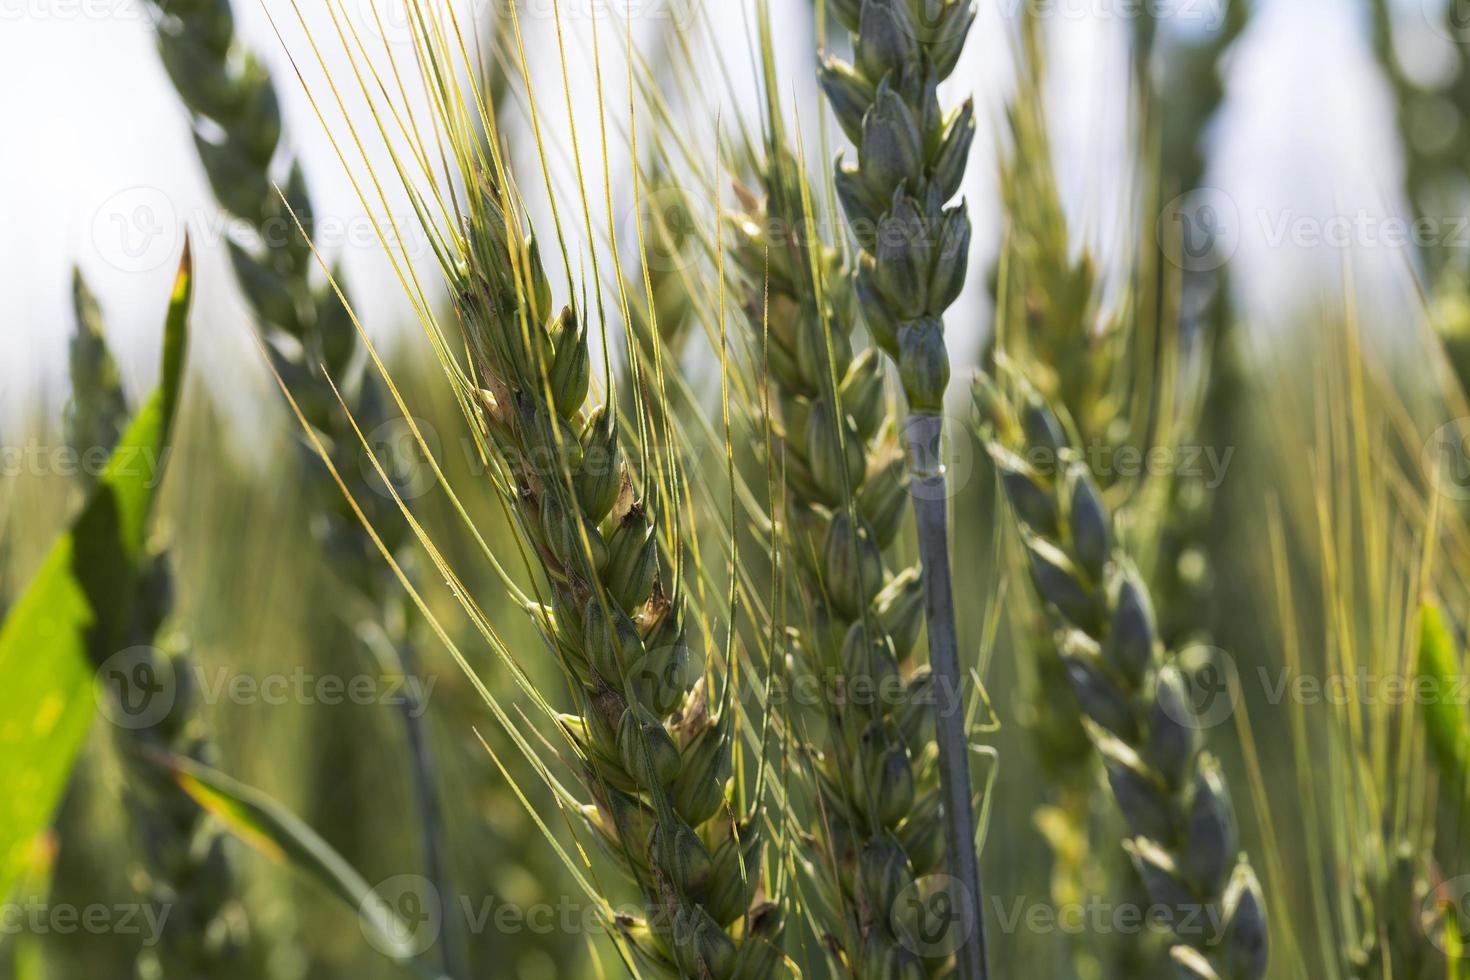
(915,254)
(1137,703)
(653,736)
(875,762)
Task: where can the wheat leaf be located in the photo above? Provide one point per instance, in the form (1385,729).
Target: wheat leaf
(72,614)
(271,829)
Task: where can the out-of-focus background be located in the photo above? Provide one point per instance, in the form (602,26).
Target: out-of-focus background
(98,167)
(1306,168)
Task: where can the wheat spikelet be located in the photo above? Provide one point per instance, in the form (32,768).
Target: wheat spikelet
(911,159)
(98,410)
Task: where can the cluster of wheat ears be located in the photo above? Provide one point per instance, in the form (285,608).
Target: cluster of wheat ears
(766,755)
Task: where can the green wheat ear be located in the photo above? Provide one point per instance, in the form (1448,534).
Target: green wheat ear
(878,826)
(914,259)
(1136,701)
(312,343)
(652,729)
(620,597)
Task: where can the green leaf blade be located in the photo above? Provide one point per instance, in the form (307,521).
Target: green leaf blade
(71,616)
(266,825)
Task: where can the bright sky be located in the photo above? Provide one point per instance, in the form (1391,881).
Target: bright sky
(97,168)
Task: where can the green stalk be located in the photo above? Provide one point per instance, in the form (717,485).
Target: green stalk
(426,803)
(931,503)
(911,160)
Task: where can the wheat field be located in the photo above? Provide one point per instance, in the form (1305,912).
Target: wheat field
(783,531)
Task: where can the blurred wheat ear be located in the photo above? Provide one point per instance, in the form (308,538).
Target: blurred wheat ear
(312,345)
(181,852)
(1138,705)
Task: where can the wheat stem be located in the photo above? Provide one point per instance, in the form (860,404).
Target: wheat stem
(426,803)
(931,501)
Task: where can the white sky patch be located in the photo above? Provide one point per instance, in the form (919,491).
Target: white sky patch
(98,149)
